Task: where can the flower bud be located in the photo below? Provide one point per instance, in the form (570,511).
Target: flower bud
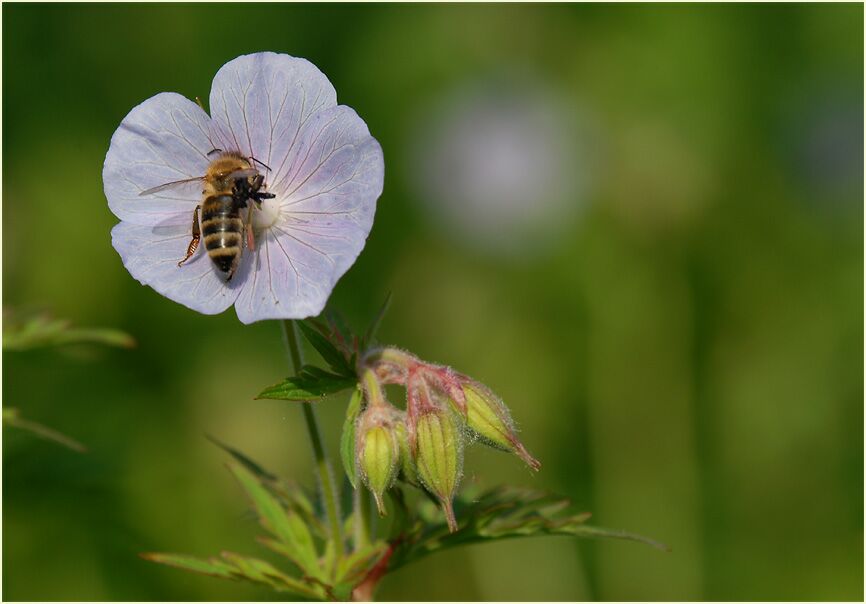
(408,472)
(438,449)
(378,452)
(489,419)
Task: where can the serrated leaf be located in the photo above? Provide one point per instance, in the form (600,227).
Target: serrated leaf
(328,351)
(370,334)
(338,328)
(603,533)
(501,513)
(354,567)
(41,331)
(263,572)
(312,384)
(299,501)
(245,461)
(347,438)
(291,496)
(285,525)
(212,566)
(236,567)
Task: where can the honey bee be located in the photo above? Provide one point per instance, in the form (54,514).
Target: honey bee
(231,184)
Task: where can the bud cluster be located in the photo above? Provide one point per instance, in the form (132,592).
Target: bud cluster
(423,445)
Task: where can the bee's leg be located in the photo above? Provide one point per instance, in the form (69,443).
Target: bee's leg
(251,240)
(196,237)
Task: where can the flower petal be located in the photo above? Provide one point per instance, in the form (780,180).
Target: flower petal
(164,139)
(328,201)
(261,102)
(276,284)
(151,254)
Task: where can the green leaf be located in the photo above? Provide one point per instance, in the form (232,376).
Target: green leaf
(42,331)
(245,461)
(354,567)
(291,496)
(285,525)
(338,330)
(329,352)
(401,518)
(237,567)
(347,439)
(500,513)
(12,417)
(260,571)
(603,533)
(212,566)
(370,334)
(312,384)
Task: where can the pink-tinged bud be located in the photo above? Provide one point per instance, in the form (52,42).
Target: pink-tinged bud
(438,448)
(489,418)
(378,452)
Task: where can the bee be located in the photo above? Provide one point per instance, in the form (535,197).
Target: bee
(231,184)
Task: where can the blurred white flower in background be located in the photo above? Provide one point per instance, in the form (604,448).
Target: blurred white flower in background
(499,165)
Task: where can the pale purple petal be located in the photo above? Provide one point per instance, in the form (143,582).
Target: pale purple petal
(276,284)
(261,102)
(325,170)
(327,200)
(151,254)
(164,139)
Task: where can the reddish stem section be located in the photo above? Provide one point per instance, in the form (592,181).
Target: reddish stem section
(363,592)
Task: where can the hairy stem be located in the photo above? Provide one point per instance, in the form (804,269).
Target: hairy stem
(373,389)
(323,465)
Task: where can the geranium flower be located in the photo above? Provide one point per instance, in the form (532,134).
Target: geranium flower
(323,168)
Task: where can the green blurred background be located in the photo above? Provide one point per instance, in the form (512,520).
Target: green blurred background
(683,350)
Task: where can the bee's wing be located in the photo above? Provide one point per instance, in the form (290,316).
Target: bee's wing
(170,185)
(245,173)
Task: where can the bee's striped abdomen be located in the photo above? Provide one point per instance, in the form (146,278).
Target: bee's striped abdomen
(221,230)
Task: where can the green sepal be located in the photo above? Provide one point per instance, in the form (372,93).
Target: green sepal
(408,472)
(347,438)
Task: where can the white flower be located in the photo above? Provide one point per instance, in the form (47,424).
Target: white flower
(325,172)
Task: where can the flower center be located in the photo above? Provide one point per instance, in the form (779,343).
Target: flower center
(267,214)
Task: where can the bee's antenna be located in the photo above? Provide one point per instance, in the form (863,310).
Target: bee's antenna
(259,162)
(212,151)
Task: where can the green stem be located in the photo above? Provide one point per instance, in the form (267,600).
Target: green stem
(391,355)
(323,466)
(375,396)
(361,503)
